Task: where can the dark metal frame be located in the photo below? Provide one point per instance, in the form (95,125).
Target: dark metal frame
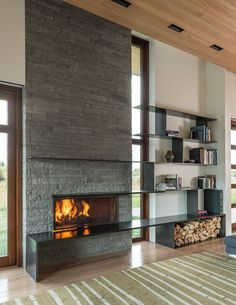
(144,119)
(233,166)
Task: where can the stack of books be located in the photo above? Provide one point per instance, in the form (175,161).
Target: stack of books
(203,156)
(201,132)
(207,182)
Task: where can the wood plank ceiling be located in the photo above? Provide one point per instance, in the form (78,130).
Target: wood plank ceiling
(205,22)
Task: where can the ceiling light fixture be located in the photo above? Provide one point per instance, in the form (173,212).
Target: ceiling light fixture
(123,3)
(175,28)
(216,47)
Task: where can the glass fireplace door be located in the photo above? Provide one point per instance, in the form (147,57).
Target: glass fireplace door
(7,181)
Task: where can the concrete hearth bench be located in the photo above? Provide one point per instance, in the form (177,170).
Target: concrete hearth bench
(230,245)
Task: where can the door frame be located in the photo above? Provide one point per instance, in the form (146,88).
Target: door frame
(16,96)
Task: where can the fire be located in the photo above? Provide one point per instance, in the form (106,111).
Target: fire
(65,234)
(85,209)
(66,210)
(86,231)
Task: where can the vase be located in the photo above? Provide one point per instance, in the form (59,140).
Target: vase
(169,156)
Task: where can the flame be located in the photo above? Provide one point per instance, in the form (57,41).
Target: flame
(86,231)
(85,208)
(65,234)
(67,210)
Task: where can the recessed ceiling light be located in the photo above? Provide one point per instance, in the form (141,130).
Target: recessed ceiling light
(123,3)
(216,47)
(175,28)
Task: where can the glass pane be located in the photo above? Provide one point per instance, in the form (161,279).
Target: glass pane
(136,63)
(136,168)
(233,215)
(233,176)
(135,101)
(233,156)
(136,212)
(233,195)
(3,113)
(136,89)
(136,199)
(233,137)
(136,128)
(3,194)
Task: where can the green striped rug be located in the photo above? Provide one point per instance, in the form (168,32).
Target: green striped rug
(201,278)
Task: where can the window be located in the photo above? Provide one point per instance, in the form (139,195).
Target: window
(233,174)
(10,232)
(139,125)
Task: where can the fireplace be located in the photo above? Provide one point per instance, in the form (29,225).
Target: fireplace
(83,210)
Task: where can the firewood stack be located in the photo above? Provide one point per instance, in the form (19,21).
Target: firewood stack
(194,231)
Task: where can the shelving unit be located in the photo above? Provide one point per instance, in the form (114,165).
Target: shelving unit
(102,194)
(161,128)
(213,198)
(156,136)
(115,227)
(185,115)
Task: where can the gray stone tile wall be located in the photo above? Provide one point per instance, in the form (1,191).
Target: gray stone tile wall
(77,104)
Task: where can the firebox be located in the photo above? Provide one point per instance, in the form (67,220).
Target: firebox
(79,211)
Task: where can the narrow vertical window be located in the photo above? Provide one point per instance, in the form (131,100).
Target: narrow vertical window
(139,125)
(9,169)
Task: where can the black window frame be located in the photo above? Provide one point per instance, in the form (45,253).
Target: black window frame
(143,45)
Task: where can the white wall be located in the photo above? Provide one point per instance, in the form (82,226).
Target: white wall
(176,78)
(184,82)
(12,41)
(218,102)
(231,92)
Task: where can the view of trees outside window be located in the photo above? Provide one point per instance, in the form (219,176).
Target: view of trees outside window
(3,180)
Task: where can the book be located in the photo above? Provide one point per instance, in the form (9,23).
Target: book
(207,182)
(200,132)
(203,156)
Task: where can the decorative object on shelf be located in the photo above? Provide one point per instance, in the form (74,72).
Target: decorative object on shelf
(171,182)
(161,187)
(172,133)
(185,188)
(169,156)
(190,161)
(179,183)
(202,213)
(207,182)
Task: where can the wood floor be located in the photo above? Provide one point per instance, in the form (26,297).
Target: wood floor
(15,282)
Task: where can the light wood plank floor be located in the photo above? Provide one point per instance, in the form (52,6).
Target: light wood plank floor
(15,282)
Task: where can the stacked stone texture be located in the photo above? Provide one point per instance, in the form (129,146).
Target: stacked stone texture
(77,105)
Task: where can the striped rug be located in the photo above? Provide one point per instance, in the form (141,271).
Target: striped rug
(201,278)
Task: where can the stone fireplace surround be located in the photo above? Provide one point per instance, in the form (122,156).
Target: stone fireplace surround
(77,106)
